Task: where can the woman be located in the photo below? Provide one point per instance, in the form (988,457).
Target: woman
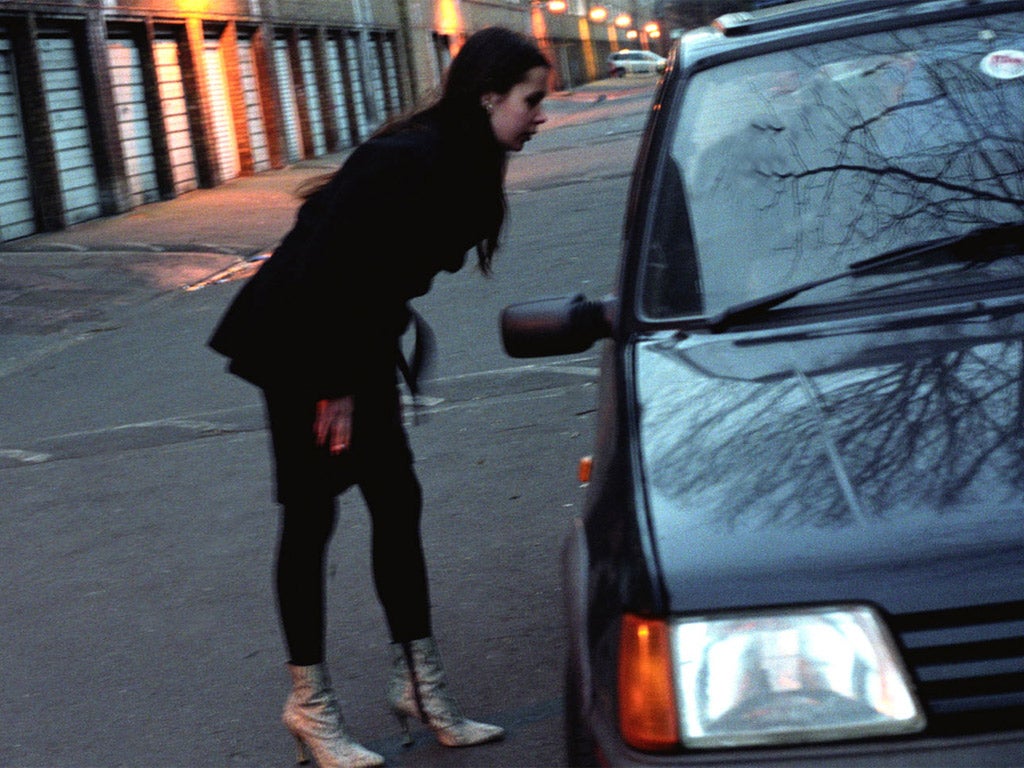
(318,329)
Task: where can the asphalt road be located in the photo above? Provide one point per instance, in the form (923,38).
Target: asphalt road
(137,526)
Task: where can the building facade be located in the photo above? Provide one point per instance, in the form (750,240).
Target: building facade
(106,105)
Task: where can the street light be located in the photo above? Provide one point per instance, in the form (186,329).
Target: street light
(623,20)
(598,14)
(557,6)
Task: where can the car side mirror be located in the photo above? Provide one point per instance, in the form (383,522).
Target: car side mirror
(562,325)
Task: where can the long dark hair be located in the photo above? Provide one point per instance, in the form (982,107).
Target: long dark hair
(492,60)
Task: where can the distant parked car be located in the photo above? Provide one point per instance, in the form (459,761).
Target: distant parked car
(626,62)
(802,542)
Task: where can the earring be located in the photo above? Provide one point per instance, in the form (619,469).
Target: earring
(489,107)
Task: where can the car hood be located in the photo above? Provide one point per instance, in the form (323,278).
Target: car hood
(877,462)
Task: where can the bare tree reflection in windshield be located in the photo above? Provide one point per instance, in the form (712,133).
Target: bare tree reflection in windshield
(799,162)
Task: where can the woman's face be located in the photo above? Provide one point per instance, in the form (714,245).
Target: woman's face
(515,116)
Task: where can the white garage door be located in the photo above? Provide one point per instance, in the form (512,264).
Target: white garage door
(65,105)
(253,110)
(376,75)
(133,120)
(223,122)
(313,101)
(286,93)
(358,93)
(391,76)
(337,85)
(17,218)
(175,111)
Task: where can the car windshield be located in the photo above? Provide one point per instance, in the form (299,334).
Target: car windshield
(787,167)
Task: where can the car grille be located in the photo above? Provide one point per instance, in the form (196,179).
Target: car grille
(968,664)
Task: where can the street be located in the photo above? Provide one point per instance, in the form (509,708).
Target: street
(137,526)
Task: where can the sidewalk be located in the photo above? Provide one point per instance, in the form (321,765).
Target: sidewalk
(607,88)
(76,280)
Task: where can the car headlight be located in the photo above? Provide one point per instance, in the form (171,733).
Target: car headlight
(817,674)
(801,675)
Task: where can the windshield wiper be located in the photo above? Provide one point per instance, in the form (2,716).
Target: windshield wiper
(978,246)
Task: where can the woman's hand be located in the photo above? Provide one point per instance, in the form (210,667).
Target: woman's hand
(333,425)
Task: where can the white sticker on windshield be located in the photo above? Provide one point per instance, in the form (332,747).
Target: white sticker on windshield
(1004,65)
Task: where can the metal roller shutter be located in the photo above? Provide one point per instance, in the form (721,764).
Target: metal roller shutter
(17,217)
(253,110)
(286,93)
(391,76)
(223,123)
(175,111)
(356,78)
(69,126)
(313,102)
(133,120)
(337,85)
(380,107)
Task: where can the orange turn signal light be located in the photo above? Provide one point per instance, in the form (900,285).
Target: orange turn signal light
(647,706)
(586,465)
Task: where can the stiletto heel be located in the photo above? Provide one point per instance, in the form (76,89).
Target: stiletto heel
(419,688)
(313,717)
(403,723)
(301,758)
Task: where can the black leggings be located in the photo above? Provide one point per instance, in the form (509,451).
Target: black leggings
(384,472)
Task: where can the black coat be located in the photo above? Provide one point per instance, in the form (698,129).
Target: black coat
(324,315)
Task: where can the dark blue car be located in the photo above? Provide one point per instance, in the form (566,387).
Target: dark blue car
(803,543)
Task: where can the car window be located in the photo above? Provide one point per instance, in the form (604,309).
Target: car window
(787,167)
